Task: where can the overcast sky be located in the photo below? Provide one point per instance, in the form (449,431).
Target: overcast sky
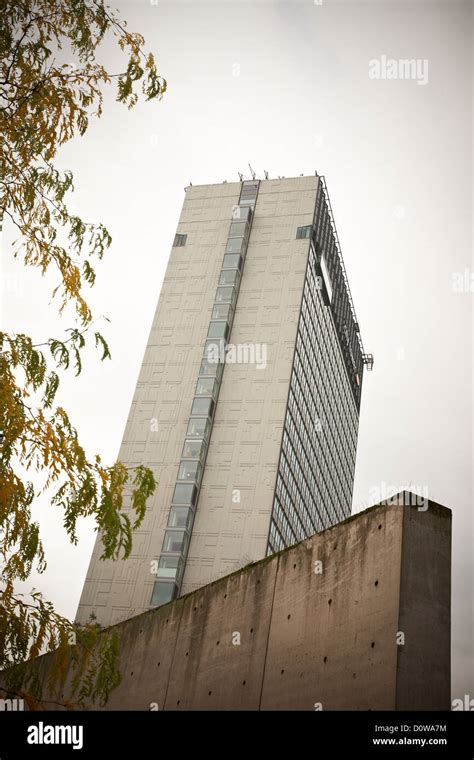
(285,86)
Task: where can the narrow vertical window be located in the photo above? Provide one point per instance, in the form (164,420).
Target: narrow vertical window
(179,240)
(303,232)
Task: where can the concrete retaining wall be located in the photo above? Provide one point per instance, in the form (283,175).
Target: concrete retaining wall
(355,618)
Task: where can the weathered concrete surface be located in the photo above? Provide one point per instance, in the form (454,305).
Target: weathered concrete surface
(220,651)
(317,626)
(333,635)
(425,609)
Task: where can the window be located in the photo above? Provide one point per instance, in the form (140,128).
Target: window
(205,386)
(189,470)
(232,261)
(179,241)
(198,428)
(202,406)
(224,295)
(327,281)
(304,232)
(221,311)
(238,229)
(214,350)
(168,567)
(184,493)
(248,194)
(218,330)
(192,449)
(163,592)
(241,213)
(180,517)
(175,541)
(210,367)
(235,245)
(228,277)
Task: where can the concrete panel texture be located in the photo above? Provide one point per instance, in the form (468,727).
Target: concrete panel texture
(244,447)
(355,618)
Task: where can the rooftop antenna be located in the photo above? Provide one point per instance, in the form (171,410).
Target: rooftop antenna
(266,174)
(252,172)
(241,176)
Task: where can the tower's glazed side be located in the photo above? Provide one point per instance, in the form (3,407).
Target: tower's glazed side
(317,459)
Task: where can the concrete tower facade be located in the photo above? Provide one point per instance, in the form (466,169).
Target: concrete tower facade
(247,402)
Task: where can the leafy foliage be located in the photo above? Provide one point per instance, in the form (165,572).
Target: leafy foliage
(50,87)
(83,657)
(43,104)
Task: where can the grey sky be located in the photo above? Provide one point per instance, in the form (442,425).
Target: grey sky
(286,87)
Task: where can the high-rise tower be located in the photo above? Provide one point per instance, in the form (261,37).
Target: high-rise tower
(247,403)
